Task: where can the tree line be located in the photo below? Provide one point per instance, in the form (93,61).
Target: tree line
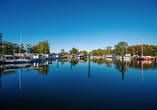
(122,47)
(10,48)
(75,51)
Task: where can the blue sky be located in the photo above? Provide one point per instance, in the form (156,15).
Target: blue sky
(83,24)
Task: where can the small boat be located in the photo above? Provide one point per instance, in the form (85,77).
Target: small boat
(148,58)
(39,58)
(81,56)
(126,56)
(145,58)
(112,56)
(16,59)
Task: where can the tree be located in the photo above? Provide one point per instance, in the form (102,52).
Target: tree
(100,52)
(10,48)
(74,51)
(80,52)
(28,47)
(108,49)
(62,51)
(121,47)
(93,52)
(43,47)
(84,52)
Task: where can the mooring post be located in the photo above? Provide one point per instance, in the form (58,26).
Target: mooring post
(89,65)
(122,60)
(48,59)
(122,66)
(71,63)
(36,60)
(57,63)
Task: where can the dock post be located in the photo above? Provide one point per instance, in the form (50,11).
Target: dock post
(36,60)
(71,63)
(122,66)
(48,59)
(89,65)
(57,63)
(122,60)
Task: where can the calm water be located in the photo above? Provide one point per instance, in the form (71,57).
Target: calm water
(77,86)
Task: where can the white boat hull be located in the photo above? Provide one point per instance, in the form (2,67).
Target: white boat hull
(17,61)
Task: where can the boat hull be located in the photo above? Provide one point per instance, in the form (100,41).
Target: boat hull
(149,59)
(144,59)
(16,61)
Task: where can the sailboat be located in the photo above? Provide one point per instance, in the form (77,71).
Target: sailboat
(146,58)
(17,59)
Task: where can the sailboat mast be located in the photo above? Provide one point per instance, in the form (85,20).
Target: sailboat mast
(142,47)
(20,44)
(126,48)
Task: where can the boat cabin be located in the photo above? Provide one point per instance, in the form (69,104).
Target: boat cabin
(111,56)
(10,57)
(81,56)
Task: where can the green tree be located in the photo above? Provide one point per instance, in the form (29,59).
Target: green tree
(84,52)
(43,47)
(109,49)
(93,52)
(62,51)
(100,52)
(80,52)
(74,51)
(28,47)
(121,47)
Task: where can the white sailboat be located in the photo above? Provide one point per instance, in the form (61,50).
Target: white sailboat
(17,59)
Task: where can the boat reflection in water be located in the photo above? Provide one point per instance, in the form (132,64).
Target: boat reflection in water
(8,69)
(116,63)
(128,63)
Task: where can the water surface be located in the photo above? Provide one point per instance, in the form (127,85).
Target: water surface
(66,85)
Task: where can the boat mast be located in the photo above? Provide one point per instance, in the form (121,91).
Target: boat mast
(20,44)
(142,46)
(126,48)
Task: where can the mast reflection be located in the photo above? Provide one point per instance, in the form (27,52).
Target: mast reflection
(0,79)
(71,63)
(89,66)
(19,79)
(57,63)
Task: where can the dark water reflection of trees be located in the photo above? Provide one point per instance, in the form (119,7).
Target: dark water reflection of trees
(42,69)
(129,64)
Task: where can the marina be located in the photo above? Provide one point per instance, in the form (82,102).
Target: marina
(78,55)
